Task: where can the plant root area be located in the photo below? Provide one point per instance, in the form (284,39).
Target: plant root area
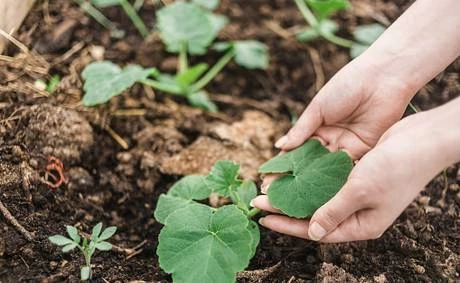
(63,164)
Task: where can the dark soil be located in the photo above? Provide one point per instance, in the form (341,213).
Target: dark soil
(166,139)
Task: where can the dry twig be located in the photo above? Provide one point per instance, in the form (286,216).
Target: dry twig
(14,222)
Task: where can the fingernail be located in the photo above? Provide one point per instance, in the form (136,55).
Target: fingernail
(281,142)
(261,221)
(316,232)
(251,203)
(264,188)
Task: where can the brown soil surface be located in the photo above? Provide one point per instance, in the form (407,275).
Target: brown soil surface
(165,139)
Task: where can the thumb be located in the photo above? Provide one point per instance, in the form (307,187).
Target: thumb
(352,197)
(310,120)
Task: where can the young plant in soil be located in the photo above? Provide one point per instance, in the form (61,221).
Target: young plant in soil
(97,241)
(129,10)
(200,243)
(186,28)
(317,13)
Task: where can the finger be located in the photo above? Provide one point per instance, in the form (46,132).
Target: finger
(351,198)
(268,179)
(286,225)
(309,121)
(353,145)
(262,202)
(365,224)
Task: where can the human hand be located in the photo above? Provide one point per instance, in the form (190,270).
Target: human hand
(351,111)
(384,181)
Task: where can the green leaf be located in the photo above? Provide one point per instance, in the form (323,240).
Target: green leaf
(53,84)
(107,233)
(223,178)
(201,99)
(313,176)
(307,34)
(324,8)
(218,22)
(207,4)
(191,187)
(60,240)
(201,244)
(104,246)
(96,232)
(73,233)
(253,228)
(328,27)
(105,3)
(367,34)
(104,80)
(85,273)
(250,54)
(188,77)
(187,23)
(357,49)
(245,193)
(181,195)
(69,247)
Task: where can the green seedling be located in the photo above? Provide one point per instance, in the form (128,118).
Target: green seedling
(129,10)
(202,244)
(186,28)
(87,246)
(317,13)
(49,86)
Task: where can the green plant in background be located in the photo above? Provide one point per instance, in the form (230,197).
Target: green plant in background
(202,244)
(186,28)
(129,10)
(317,13)
(87,246)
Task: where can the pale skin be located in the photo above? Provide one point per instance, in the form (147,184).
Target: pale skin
(359,111)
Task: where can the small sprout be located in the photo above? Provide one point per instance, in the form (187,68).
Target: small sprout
(97,241)
(49,86)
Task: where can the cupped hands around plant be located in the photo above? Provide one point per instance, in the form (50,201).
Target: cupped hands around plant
(383,183)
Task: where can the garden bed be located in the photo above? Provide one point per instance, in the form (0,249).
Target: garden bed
(118,158)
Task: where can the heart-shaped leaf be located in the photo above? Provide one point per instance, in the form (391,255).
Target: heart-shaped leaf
(223,178)
(181,194)
(185,23)
(104,80)
(313,175)
(206,245)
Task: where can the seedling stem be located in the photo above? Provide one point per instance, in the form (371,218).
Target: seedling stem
(183,60)
(132,14)
(314,23)
(209,76)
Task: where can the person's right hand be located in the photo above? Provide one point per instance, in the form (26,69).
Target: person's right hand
(351,111)
(383,183)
